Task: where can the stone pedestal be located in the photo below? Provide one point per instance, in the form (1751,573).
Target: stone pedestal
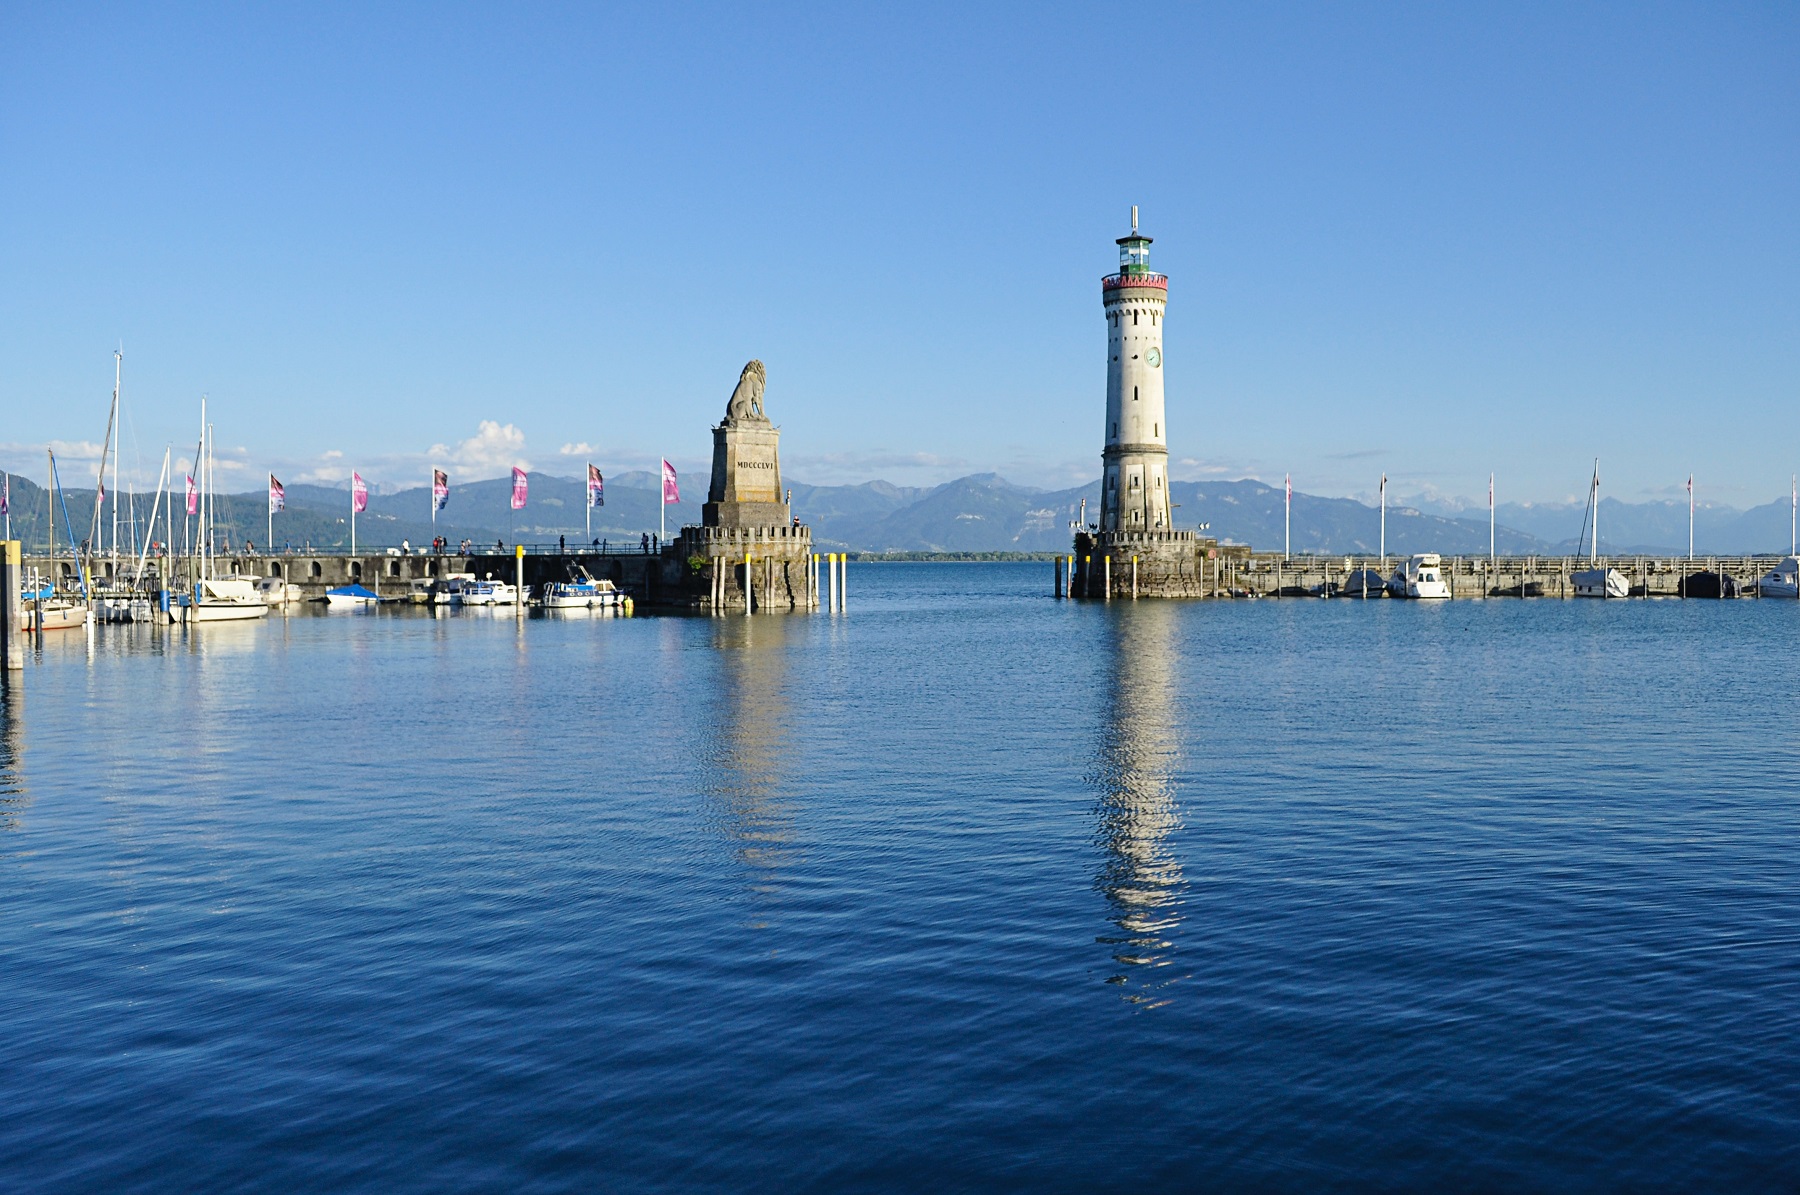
(747,547)
(746,477)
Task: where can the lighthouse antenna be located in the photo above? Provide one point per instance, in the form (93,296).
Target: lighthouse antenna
(1134,219)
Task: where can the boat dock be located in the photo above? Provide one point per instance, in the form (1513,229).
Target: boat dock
(394,574)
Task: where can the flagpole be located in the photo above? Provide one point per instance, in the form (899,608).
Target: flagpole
(1384,522)
(1287,520)
(1690,519)
(662,501)
(353,512)
(269,544)
(587,505)
(1491,523)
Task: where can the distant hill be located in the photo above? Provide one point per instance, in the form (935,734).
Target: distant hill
(979,513)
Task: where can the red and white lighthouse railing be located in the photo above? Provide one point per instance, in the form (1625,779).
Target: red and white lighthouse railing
(1115,281)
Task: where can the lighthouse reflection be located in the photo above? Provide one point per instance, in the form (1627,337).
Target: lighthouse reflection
(1138,811)
(743,769)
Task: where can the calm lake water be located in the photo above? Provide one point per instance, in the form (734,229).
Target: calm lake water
(967,889)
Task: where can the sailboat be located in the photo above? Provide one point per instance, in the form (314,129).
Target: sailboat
(214,598)
(1595,581)
(47,609)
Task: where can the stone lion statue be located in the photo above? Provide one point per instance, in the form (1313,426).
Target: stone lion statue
(746,400)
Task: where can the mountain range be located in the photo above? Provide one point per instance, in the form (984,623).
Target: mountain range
(981,513)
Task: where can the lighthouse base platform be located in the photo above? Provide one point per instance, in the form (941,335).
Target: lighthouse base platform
(1147,564)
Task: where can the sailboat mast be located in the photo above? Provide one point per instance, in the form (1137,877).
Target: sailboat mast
(118,377)
(200,466)
(1594,551)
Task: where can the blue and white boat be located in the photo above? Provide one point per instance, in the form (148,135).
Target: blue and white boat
(348,597)
(583,594)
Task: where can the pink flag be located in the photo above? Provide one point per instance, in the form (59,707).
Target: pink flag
(359,493)
(193,495)
(440,491)
(596,487)
(6,495)
(520,488)
(277,496)
(671,491)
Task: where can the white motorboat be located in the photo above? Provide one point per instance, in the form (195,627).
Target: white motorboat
(490,593)
(583,594)
(346,597)
(277,592)
(1782,581)
(220,599)
(1419,576)
(448,590)
(1597,581)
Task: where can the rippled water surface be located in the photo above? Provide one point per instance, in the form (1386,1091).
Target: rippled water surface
(966,889)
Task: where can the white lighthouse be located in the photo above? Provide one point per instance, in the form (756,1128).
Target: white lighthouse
(1136,550)
(1134,494)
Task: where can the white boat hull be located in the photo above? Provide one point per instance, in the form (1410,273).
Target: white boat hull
(1783,581)
(1600,583)
(221,611)
(58,616)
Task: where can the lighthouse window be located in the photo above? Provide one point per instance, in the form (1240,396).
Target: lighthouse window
(1156,429)
(1134,394)
(1134,316)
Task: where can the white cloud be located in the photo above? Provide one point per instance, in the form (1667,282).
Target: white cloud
(493,449)
(581,449)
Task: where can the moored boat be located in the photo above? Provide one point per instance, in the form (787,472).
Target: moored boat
(581,594)
(346,597)
(220,599)
(489,592)
(59,614)
(448,590)
(1364,583)
(1600,583)
(1597,581)
(278,592)
(1419,576)
(1708,585)
(1782,581)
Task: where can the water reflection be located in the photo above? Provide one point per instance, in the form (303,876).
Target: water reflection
(1137,758)
(748,756)
(13,799)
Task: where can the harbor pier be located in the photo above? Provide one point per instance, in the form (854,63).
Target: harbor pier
(1213,570)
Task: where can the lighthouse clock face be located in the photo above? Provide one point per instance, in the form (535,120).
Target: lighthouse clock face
(1154,356)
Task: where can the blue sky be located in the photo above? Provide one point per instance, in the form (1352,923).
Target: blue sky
(1435,240)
